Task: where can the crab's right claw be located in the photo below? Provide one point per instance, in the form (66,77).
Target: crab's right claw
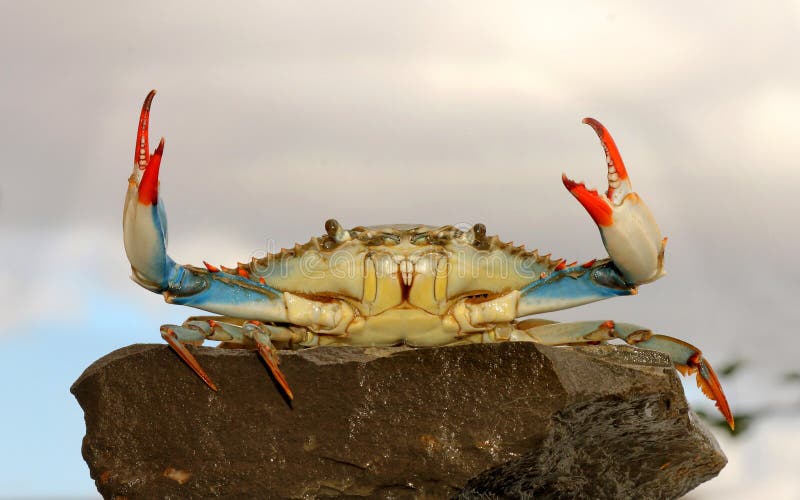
(630,233)
(143,221)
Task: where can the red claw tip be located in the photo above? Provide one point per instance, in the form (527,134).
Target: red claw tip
(569,183)
(598,208)
(141,152)
(148,100)
(613,158)
(148,187)
(596,125)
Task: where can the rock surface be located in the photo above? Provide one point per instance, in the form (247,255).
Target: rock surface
(514,420)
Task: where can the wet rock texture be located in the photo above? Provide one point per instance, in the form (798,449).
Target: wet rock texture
(514,420)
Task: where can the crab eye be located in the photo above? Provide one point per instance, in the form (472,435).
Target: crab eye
(608,276)
(419,239)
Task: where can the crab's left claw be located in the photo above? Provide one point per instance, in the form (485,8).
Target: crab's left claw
(630,233)
(144,222)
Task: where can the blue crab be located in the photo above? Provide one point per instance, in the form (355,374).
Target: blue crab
(410,284)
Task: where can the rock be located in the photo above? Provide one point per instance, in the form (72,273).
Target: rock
(514,420)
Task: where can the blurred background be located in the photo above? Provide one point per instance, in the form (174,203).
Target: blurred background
(278,116)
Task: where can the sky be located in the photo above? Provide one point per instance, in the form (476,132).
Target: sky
(278,116)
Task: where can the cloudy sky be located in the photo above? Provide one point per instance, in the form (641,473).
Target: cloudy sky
(279,116)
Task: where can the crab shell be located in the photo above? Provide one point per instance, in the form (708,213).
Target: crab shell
(405,283)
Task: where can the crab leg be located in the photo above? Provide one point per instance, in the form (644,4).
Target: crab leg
(260,335)
(176,341)
(686,358)
(553,333)
(573,286)
(233,331)
(629,231)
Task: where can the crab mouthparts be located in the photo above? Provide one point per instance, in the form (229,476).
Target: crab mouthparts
(406,271)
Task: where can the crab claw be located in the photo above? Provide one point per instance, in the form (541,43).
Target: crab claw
(629,231)
(144,222)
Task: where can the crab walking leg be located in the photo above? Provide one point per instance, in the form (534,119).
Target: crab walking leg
(235,331)
(686,358)
(176,339)
(629,231)
(553,333)
(269,354)
(231,330)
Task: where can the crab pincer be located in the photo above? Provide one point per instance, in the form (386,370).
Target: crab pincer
(144,222)
(144,226)
(629,231)
(145,235)
(635,244)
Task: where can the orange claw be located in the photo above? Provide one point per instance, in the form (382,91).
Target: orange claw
(613,158)
(597,207)
(141,153)
(148,188)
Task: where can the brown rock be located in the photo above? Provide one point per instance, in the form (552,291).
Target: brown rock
(515,420)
